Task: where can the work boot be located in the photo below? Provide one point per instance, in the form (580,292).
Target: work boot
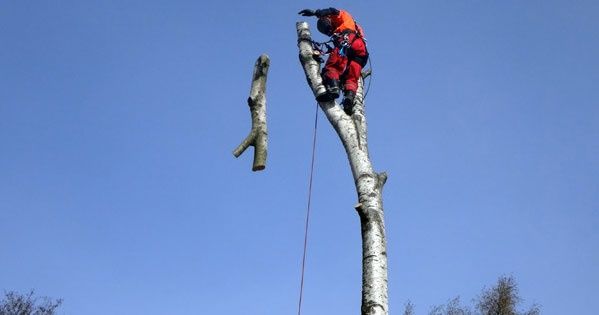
(332,93)
(348,102)
(325,97)
(333,88)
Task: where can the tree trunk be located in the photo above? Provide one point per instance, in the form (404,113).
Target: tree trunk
(369,185)
(258,137)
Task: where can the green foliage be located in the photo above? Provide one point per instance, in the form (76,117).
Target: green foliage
(501,299)
(26,304)
(409,308)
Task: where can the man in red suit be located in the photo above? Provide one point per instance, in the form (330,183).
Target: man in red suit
(346,60)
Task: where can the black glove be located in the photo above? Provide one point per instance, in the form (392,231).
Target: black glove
(307,12)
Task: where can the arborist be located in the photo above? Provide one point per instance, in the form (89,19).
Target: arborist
(346,59)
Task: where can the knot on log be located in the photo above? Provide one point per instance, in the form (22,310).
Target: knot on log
(251,102)
(381,179)
(360,208)
(373,308)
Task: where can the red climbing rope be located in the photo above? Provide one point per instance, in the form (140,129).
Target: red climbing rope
(299,309)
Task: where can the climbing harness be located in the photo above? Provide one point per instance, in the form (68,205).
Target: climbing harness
(299,309)
(322,48)
(344,44)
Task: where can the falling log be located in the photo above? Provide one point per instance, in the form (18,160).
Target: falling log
(258,137)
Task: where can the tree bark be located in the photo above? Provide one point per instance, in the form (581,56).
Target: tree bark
(258,136)
(369,185)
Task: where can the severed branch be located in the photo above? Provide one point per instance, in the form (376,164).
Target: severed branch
(258,137)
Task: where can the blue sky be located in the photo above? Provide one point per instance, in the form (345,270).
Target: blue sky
(120,194)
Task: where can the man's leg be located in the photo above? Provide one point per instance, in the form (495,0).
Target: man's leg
(352,75)
(358,58)
(330,75)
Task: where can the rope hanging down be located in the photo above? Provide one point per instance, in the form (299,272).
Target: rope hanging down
(299,309)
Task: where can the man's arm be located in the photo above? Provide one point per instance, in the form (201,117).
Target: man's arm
(325,12)
(319,13)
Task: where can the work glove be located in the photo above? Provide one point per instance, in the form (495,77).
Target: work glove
(307,12)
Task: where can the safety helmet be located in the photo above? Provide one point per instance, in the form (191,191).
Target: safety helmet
(325,26)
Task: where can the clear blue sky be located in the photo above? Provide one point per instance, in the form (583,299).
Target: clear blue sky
(119,192)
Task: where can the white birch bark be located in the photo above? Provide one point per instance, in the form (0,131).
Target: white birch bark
(258,136)
(369,185)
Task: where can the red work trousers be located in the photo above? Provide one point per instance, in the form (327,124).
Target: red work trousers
(345,68)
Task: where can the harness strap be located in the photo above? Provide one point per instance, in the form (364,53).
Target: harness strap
(362,60)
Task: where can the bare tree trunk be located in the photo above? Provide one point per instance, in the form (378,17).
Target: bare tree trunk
(258,137)
(369,185)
